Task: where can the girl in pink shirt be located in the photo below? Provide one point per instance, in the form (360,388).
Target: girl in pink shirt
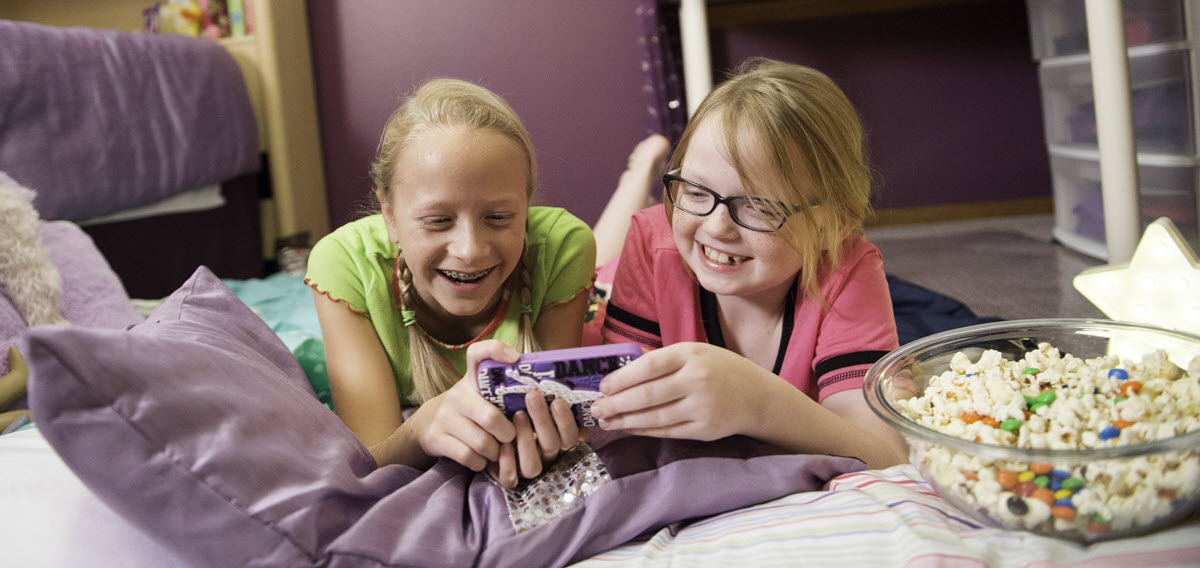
(761,302)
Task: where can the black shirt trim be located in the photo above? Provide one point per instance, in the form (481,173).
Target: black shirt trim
(712,323)
(848,360)
(633,320)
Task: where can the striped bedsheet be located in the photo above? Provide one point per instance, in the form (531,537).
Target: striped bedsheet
(888,517)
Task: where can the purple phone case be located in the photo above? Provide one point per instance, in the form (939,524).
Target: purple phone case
(572,374)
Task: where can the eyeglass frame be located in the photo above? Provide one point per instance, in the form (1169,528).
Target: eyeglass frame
(718,199)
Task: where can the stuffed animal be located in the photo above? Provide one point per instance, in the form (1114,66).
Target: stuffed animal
(26,273)
(28,278)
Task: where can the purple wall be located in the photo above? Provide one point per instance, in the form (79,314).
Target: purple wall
(949,96)
(570,69)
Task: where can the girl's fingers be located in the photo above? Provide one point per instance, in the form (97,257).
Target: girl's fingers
(654,393)
(467,401)
(492,421)
(564,419)
(543,422)
(473,437)
(528,456)
(663,416)
(506,467)
(454,449)
(648,367)
(489,349)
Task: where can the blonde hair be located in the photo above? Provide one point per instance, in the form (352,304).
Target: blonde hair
(441,103)
(810,135)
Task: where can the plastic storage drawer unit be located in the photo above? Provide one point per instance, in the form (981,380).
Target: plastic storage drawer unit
(1168,189)
(1161,97)
(1059,27)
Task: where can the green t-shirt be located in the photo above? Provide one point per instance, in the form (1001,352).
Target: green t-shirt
(355,265)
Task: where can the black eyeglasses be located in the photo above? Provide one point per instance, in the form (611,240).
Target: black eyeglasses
(754,213)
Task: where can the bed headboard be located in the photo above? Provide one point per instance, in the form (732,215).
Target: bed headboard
(277,69)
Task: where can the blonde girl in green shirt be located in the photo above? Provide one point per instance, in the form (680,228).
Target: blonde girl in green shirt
(457,267)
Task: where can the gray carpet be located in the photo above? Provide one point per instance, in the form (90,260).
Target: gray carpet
(1009,273)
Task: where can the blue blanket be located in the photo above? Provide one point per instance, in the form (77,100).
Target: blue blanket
(920,312)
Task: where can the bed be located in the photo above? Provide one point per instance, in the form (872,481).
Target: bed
(200,438)
(147,142)
(201,435)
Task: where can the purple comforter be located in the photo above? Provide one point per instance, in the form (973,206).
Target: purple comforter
(98,121)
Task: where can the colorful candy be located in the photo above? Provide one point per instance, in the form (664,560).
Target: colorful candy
(1044,495)
(1006,478)
(1129,387)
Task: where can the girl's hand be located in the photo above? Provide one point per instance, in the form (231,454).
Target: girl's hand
(553,423)
(543,431)
(686,390)
(461,425)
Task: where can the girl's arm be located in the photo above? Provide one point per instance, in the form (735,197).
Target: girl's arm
(852,406)
(561,326)
(842,425)
(360,375)
(365,396)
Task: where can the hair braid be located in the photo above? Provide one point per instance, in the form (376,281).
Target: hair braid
(526,341)
(431,375)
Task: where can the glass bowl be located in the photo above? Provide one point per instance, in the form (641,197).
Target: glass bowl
(1117,461)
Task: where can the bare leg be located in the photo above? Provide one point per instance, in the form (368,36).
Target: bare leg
(632,195)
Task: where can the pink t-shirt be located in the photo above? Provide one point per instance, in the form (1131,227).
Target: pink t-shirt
(655,302)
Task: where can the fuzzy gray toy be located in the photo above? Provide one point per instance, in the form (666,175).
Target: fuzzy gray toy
(26,273)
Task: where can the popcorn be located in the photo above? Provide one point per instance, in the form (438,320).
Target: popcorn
(1049,400)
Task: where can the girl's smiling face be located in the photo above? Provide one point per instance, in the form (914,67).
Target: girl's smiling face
(728,260)
(457,209)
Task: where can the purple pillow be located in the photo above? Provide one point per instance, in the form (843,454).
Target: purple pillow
(200,428)
(92,293)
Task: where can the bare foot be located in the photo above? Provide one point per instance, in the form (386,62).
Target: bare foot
(633,193)
(646,162)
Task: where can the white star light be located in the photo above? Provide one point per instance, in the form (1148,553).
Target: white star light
(1159,286)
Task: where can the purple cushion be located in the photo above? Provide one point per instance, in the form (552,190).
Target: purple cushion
(199,427)
(92,294)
